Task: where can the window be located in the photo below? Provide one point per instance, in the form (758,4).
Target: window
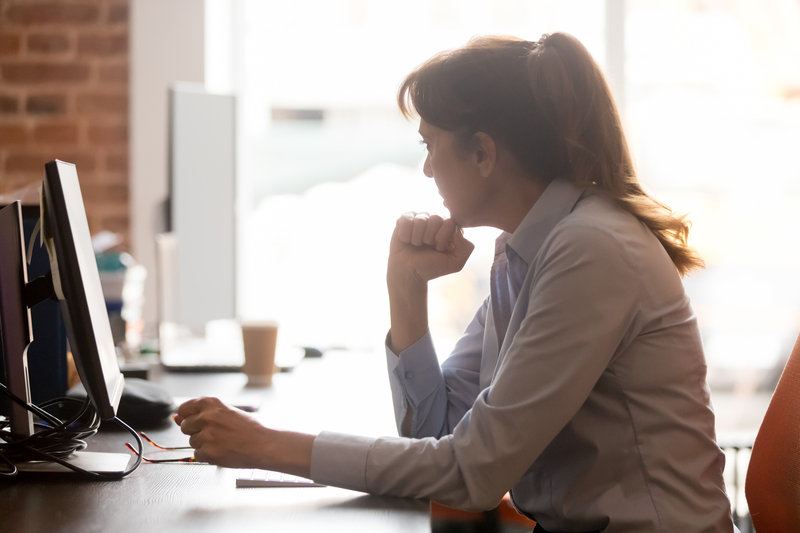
(328,163)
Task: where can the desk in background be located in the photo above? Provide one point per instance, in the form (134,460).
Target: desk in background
(343,391)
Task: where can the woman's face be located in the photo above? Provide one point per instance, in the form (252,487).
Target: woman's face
(460,183)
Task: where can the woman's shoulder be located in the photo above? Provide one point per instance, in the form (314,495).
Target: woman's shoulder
(596,208)
(597,226)
(597,214)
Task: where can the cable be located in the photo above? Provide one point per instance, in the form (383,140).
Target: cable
(54,439)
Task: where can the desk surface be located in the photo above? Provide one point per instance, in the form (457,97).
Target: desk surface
(342,391)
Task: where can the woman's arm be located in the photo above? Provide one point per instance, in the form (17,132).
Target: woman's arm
(430,400)
(228,437)
(422,248)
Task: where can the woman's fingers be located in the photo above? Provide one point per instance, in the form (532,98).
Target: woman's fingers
(433,226)
(425,247)
(445,235)
(405,226)
(419,229)
(193,407)
(220,434)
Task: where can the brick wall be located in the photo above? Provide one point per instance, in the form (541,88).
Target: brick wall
(64,95)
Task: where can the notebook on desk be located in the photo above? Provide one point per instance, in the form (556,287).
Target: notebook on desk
(268,478)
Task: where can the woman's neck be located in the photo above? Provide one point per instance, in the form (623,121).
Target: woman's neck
(517,194)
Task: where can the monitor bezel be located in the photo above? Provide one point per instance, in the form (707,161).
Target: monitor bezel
(100,376)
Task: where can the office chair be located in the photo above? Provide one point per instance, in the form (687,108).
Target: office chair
(772,486)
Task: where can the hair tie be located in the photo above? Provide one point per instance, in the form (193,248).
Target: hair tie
(533,45)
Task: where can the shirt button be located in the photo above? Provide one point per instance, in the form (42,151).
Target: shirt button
(409,375)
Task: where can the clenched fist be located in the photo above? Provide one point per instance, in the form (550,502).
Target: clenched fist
(425,247)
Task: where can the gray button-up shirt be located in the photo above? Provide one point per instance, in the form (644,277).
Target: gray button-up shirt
(594,412)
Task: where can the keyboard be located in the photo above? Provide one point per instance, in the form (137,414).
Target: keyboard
(268,478)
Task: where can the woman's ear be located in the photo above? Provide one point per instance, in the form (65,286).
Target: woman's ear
(485,153)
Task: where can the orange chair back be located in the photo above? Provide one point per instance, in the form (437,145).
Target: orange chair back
(773,476)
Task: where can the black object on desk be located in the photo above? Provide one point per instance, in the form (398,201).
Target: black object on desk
(143,403)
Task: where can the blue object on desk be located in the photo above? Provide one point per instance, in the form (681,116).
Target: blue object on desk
(47,354)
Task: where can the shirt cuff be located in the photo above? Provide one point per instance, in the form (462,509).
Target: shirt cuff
(416,368)
(340,460)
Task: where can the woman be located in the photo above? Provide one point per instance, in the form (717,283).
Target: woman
(580,383)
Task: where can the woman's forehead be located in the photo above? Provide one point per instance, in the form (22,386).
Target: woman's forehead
(425,129)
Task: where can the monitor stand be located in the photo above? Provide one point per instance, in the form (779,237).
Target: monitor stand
(105,463)
(17,296)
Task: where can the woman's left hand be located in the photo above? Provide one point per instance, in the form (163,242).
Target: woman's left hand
(222,435)
(229,437)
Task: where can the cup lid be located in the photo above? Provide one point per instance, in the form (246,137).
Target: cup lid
(258,323)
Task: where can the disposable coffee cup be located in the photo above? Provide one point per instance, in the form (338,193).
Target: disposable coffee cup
(260,339)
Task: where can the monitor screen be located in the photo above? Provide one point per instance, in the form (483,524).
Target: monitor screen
(76,280)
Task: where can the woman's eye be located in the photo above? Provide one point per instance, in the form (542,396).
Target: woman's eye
(424,144)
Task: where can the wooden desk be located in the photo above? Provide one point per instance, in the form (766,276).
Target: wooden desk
(343,392)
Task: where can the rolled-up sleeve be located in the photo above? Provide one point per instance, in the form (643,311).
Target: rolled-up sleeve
(417,383)
(438,396)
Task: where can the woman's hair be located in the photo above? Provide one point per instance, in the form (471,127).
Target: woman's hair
(549,105)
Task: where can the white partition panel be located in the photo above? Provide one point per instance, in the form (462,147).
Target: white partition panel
(202,198)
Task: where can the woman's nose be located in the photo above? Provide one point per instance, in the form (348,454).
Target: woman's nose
(426,168)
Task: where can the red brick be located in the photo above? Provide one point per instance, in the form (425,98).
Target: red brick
(47,97)
(35,162)
(10,134)
(8,105)
(117,163)
(43,72)
(52,13)
(46,104)
(108,134)
(83,162)
(48,44)
(26,163)
(114,73)
(98,193)
(109,208)
(103,103)
(110,178)
(56,133)
(103,45)
(118,13)
(18,181)
(9,44)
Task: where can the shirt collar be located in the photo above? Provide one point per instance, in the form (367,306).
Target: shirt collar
(553,205)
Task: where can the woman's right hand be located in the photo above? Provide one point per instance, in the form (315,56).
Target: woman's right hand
(425,247)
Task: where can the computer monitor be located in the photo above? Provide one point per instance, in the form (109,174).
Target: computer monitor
(15,316)
(75,280)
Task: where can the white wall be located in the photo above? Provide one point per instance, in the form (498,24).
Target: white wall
(167,45)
